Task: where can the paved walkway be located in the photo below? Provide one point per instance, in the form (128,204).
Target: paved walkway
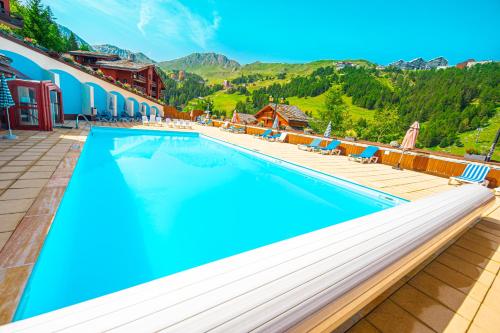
(456,292)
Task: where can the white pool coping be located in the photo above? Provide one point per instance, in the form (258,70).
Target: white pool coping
(271,288)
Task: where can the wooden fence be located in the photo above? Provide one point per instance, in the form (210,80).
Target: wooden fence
(442,165)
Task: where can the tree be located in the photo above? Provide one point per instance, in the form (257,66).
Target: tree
(39,25)
(386,125)
(72,43)
(336,113)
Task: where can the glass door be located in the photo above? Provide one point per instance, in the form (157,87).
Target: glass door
(28,108)
(54,107)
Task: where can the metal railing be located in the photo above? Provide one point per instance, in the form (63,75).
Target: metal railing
(84,118)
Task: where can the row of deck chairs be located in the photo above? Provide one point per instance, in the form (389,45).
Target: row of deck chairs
(231,128)
(332,148)
(158,121)
(269,136)
(473,173)
(106,116)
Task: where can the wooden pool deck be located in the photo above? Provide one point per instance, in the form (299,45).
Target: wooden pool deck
(458,291)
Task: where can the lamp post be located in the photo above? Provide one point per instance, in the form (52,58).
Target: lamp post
(271,100)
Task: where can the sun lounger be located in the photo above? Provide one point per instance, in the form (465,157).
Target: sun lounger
(145,120)
(330,149)
(473,174)
(282,137)
(310,147)
(158,121)
(367,156)
(237,130)
(265,134)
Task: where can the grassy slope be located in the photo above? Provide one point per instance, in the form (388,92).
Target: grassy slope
(216,74)
(484,141)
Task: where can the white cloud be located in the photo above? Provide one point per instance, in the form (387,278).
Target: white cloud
(145,15)
(161,21)
(179,22)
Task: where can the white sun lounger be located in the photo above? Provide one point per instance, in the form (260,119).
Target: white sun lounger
(145,120)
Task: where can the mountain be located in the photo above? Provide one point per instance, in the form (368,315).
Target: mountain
(197,61)
(419,63)
(124,54)
(66,32)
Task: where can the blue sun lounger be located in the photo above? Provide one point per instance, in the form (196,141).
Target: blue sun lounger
(367,156)
(264,135)
(331,148)
(312,146)
(473,174)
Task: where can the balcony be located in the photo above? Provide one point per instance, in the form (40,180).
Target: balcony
(139,78)
(10,20)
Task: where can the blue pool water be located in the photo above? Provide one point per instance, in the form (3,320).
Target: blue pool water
(142,205)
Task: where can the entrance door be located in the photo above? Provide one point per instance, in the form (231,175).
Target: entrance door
(28,109)
(54,107)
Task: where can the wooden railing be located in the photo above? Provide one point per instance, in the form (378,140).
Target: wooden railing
(437,164)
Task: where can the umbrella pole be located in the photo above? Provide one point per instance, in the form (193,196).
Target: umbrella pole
(9,136)
(398,166)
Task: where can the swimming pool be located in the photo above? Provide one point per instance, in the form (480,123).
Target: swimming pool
(145,204)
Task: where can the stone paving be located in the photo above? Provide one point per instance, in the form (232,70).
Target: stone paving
(458,291)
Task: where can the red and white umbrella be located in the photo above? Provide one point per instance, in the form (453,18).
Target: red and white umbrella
(411,136)
(409,141)
(235,117)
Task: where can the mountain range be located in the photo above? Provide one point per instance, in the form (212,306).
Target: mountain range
(66,32)
(124,53)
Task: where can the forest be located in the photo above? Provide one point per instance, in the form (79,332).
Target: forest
(446,102)
(40,27)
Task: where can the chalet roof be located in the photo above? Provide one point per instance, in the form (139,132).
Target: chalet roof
(123,64)
(290,112)
(246,118)
(94,54)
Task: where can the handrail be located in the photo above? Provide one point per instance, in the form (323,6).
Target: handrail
(84,117)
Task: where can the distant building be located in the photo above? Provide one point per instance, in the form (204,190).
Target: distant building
(380,67)
(288,115)
(6,16)
(474,63)
(226,84)
(182,75)
(464,64)
(90,58)
(419,64)
(140,76)
(246,119)
(343,64)
(143,77)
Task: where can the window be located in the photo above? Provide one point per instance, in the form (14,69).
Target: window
(28,108)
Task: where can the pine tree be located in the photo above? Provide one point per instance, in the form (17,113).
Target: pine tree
(72,43)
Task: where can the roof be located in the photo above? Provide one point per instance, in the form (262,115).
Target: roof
(123,64)
(246,118)
(94,54)
(289,112)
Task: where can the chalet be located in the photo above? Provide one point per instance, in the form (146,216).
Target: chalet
(143,77)
(288,115)
(7,18)
(246,119)
(38,104)
(90,58)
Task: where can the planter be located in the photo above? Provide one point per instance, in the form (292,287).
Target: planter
(350,138)
(475,157)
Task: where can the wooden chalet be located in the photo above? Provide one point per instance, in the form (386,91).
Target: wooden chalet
(288,115)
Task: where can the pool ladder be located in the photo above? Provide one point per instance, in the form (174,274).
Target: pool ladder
(84,118)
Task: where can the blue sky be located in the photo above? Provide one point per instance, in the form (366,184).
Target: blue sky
(290,31)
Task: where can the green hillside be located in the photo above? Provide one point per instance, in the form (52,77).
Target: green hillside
(484,139)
